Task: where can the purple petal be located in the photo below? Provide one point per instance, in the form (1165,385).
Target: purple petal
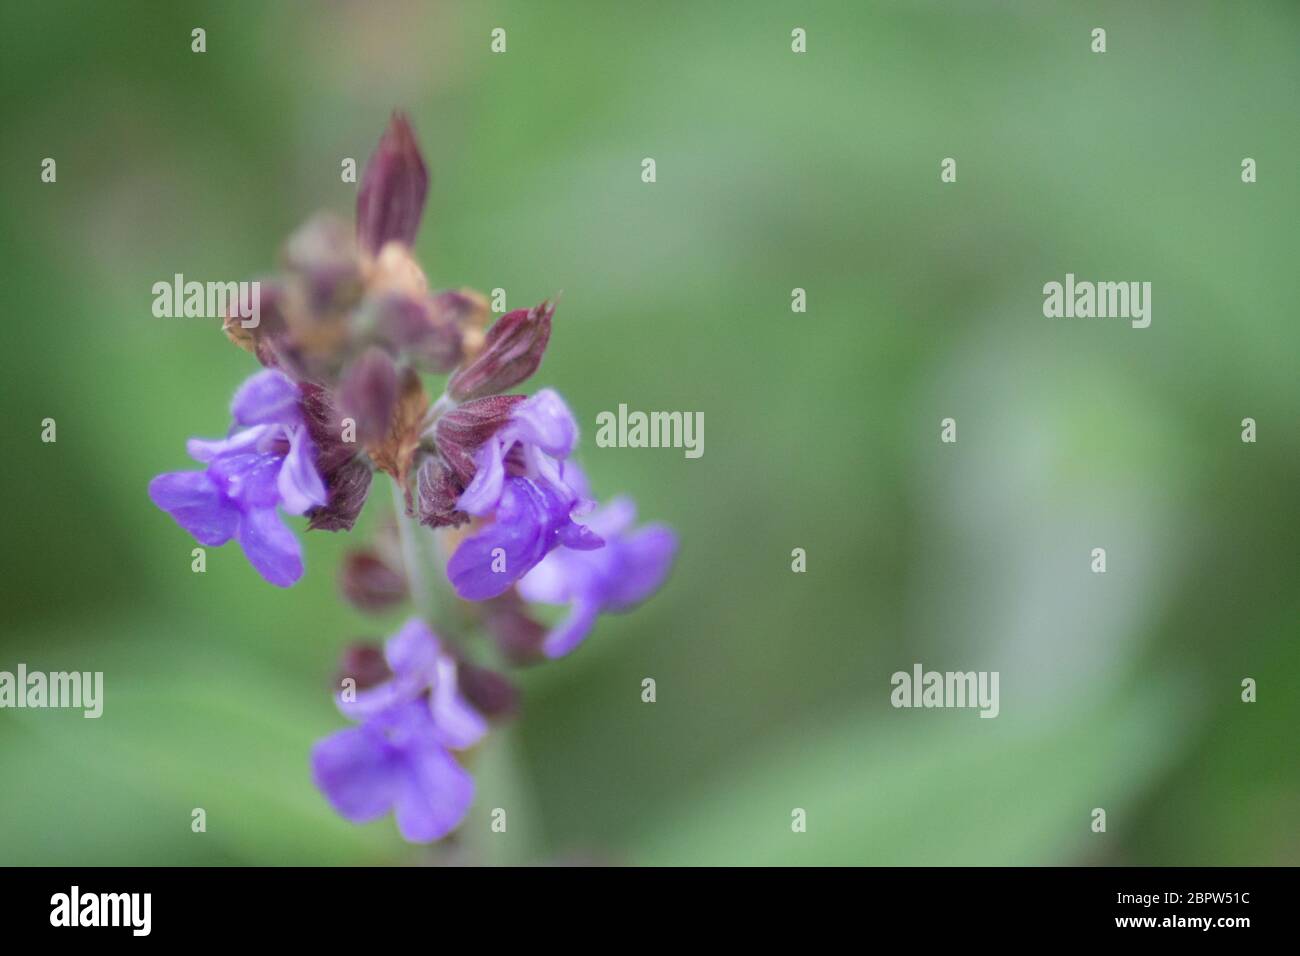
(531,519)
(412,656)
(248,480)
(471,568)
(572,630)
(270,546)
(579,537)
(576,479)
(644,559)
(484,492)
(373,701)
(558,578)
(242,442)
(413,651)
(613,518)
(625,572)
(299,484)
(458,724)
(545,421)
(548,471)
(520,532)
(195,501)
(269,397)
(545,429)
(434,796)
(359,772)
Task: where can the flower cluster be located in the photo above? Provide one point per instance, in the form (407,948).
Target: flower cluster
(349,334)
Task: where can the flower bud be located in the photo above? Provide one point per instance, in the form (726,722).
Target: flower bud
(324,425)
(395,453)
(369,583)
(391,198)
(464,308)
(488,692)
(518,637)
(364,663)
(347,477)
(324,255)
(419,331)
(461,431)
(511,352)
(268,340)
(368,394)
(437,491)
(347,487)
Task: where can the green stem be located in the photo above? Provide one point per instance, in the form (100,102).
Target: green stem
(416,578)
(426,575)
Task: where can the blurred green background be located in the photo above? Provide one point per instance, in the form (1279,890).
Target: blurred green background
(775,171)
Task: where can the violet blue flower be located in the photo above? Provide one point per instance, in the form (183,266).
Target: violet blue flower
(267,463)
(520,479)
(627,570)
(399,757)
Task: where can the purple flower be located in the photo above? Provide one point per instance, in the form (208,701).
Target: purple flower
(627,570)
(270,462)
(399,757)
(520,479)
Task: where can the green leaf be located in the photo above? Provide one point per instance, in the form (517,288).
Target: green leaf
(941,787)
